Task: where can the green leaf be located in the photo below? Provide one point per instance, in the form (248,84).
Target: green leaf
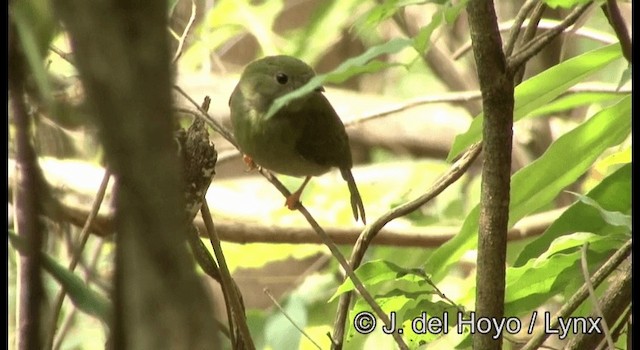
(279,332)
(31,20)
(382,11)
(349,68)
(565,3)
(542,89)
(378,271)
(569,102)
(614,218)
(568,158)
(83,297)
(422,39)
(625,77)
(532,285)
(540,182)
(613,193)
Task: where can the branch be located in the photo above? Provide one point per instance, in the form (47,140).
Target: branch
(365,238)
(517,24)
(537,44)
(496,84)
(594,298)
(28,195)
(77,253)
(612,12)
(185,32)
(544,24)
(572,304)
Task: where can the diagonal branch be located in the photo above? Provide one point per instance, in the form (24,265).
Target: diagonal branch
(536,45)
(612,12)
(365,238)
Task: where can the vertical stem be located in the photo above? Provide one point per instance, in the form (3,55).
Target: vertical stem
(27,207)
(496,85)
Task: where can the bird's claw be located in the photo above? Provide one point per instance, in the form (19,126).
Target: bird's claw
(251,165)
(293,201)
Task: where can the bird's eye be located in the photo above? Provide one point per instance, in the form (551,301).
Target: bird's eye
(282,78)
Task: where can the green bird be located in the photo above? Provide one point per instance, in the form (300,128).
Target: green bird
(304,138)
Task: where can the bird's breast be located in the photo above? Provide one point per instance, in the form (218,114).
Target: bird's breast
(272,145)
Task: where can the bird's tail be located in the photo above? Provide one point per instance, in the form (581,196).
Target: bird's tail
(356,200)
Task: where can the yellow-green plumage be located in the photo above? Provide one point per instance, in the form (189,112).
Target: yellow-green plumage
(304,138)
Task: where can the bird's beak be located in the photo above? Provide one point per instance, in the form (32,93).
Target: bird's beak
(319,89)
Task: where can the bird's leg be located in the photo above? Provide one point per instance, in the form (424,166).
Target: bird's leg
(294,199)
(251,165)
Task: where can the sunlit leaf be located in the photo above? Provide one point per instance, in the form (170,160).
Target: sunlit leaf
(565,3)
(378,271)
(83,297)
(540,182)
(541,89)
(614,218)
(613,193)
(349,68)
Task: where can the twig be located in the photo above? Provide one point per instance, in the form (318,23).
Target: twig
(66,324)
(593,296)
(517,24)
(537,44)
(612,12)
(228,286)
(339,257)
(544,24)
(84,237)
(275,302)
(28,199)
(185,32)
(528,35)
(449,97)
(65,56)
(212,121)
(617,330)
(580,295)
(365,238)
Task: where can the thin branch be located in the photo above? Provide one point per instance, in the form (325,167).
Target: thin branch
(517,24)
(233,231)
(592,294)
(28,199)
(580,295)
(69,317)
(544,24)
(185,32)
(219,128)
(536,45)
(228,286)
(284,313)
(339,257)
(449,97)
(612,12)
(528,35)
(77,253)
(453,174)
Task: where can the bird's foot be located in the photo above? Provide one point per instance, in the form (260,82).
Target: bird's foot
(293,201)
(251,165)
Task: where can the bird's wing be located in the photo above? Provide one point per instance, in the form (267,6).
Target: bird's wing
(323,139)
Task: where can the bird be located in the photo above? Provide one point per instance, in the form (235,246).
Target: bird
(304,138)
